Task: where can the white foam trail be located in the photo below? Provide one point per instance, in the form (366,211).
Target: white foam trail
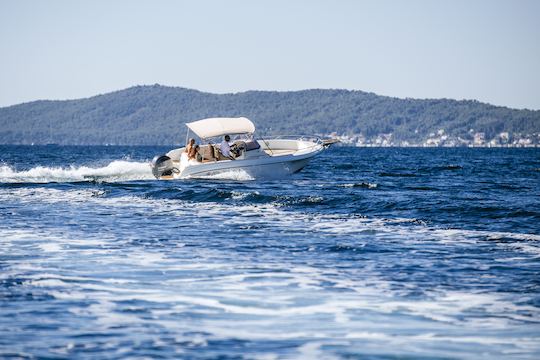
(118,170)
(364,184)
(370,313)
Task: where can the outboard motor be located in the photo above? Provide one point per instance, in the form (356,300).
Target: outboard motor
(162,165)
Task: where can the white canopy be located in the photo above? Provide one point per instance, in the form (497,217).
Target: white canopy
(208,128)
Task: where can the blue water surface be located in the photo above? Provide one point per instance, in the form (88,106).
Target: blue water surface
(368,253)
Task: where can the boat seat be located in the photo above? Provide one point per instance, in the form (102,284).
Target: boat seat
(218,154)
(207,153)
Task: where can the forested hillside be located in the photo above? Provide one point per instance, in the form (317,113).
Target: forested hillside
(156,115)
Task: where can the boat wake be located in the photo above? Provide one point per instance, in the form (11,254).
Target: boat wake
(118,170)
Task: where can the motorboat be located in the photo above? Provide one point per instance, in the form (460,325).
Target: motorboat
(256,157)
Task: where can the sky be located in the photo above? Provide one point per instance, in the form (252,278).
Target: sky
(488,50)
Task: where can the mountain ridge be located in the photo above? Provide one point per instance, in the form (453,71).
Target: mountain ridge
(154,114)
(268,91)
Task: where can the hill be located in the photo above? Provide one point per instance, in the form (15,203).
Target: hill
(149,115)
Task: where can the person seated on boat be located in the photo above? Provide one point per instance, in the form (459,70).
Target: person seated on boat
(189,145)
(194,154)
(225,147)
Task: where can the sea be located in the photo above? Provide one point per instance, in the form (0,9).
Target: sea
(368,253)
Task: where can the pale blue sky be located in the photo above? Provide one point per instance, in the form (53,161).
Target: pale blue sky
(484,50)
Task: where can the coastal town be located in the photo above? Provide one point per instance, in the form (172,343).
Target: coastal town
(442,139)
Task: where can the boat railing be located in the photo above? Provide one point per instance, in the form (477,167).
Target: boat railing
(313,138)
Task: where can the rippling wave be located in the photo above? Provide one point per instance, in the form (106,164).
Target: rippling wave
(348,259)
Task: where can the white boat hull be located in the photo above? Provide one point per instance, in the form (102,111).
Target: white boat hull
(268,169)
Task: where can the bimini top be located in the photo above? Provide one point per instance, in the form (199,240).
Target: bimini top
(208,128)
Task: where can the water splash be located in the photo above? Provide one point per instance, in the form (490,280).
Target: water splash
(118,170)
